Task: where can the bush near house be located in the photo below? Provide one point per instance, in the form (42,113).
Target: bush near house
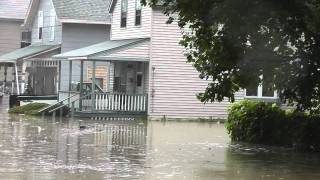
(262,123)
(29,109)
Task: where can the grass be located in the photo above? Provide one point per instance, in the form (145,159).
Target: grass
(29,109)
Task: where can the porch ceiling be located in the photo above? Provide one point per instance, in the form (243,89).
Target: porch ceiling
(100,52)
(27,52)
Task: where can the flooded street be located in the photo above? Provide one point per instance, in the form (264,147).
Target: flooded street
(35,148)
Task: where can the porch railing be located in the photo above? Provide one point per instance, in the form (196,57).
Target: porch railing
(116,102)
(121,102)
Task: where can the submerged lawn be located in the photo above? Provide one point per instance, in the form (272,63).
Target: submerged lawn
(29,109)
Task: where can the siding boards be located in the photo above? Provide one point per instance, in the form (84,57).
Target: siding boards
(176,82)
(140,50)
(131,31)
(10,36)
(76,36)
(46,6)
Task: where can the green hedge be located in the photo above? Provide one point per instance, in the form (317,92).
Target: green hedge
(262,123)
(29,109)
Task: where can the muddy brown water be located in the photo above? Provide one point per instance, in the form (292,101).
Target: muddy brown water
(46,148)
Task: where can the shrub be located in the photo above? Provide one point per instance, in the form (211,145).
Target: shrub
(29,109)
(259,122)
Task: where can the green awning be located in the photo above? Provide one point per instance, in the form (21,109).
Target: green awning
(26,52)
(104,47)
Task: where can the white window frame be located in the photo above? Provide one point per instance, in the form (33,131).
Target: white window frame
(259,93)
(52,24)
(126,12)
(135,13)
(40,24)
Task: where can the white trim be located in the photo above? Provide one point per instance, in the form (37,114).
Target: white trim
(77,58)
(40,24)
(260,93)
(52,24)
(17,78)
(77,21)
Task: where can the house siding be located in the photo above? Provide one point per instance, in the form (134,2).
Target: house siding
(10,36)
(174,82)
(131,31)
(46,6)
(140,50)
(76,36)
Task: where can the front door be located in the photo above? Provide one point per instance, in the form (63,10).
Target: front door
(130,78)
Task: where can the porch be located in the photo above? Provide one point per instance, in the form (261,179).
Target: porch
(30,68)
(104,85)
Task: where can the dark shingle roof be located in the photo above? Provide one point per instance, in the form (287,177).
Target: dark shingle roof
(13,9)
(87,10)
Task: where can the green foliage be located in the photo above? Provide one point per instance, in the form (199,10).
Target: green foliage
(29,109)
(259,122)
(233,41)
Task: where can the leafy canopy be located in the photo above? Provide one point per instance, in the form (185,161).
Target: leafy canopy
(234,41)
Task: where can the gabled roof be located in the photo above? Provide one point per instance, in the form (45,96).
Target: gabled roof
(27,52)
(101,48)
(83,10)
(75,11)
(13,9)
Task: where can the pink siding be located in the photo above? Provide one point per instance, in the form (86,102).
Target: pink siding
(131,31)
(176,83)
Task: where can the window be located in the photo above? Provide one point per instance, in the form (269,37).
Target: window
(52,24)
(40,24)
(124,13)
(138,13)
(139,80)
(263,90)
(25,39)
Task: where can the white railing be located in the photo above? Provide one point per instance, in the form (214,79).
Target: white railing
(121,102)
(107,101)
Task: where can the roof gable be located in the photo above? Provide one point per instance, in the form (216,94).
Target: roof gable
(75,11)
(83,10)
(16,9)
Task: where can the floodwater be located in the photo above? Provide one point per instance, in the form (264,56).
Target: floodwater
(35,148)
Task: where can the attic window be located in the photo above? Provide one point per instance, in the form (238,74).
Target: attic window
(25,39)
(40,24)
(124,12)
(138,13)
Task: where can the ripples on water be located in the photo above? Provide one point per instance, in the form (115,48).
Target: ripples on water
(60,149)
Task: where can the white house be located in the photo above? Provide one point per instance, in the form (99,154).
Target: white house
(56,26)
(12,15)
(147,70)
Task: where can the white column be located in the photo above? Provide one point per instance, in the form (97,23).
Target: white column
(17,78)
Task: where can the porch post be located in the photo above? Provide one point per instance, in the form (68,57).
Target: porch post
(5,77)
(17,78)
(70,80)
(70,75)
(93,98)
(59,79)
(81,85)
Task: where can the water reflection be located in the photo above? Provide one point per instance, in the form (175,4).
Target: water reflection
(33,148)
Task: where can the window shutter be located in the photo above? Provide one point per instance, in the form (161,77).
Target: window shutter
(52,24)
(40,19)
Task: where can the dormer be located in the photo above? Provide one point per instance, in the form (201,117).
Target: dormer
(43,22)
(130,19)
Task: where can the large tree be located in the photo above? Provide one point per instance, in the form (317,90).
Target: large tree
(232,42)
